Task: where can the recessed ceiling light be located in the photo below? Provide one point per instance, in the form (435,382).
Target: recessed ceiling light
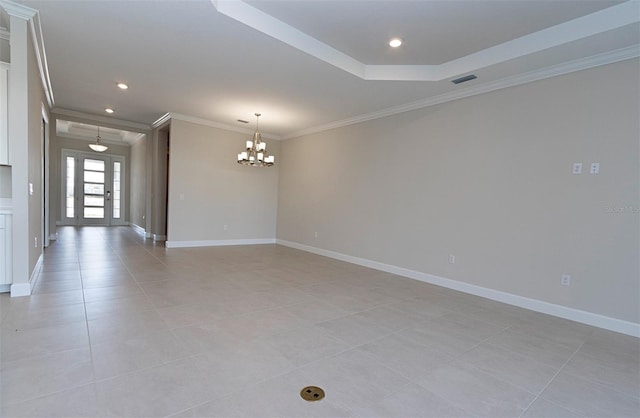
(122,86)
(395,42)
(109,110)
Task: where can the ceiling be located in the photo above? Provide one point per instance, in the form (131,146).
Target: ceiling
(88,132)
(308,64)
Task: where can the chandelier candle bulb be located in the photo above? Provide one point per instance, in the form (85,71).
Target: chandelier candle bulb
(249,144)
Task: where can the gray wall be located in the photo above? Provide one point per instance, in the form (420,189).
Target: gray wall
(488,179)
(215,189)
(138,170)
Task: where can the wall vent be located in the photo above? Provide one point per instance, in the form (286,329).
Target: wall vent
(463,79)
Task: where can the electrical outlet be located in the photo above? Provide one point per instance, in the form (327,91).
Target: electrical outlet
(595,168)
(36,242)
(226,227)
(452,259)
(565,280)
(577,168)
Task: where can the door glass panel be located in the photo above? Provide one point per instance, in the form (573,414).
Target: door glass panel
(94,176)
(93,188)
(94,213)
(70,195)
(116,190)
(93,165)
(93,200)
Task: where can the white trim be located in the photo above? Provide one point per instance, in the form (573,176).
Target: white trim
(18,10)
(597,320)
(24,289)
(20,289)
(5,34)
(161,120)
(226,127)
(103,119)
(138,228)
(5,288)
(580,28)
(218,243)
(516,80)
(54,236)
(158,237)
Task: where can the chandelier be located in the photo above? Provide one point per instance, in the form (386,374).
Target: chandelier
(97,146)
(256,153)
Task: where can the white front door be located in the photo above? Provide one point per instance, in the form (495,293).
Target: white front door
(93,192)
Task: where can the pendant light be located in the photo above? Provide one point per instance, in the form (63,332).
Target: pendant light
(97,146)
(256,153)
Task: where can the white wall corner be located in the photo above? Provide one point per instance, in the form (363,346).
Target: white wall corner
(589,318)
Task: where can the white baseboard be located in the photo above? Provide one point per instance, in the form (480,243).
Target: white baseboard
(5,288)
(20,289)
(218,243)
(589,318)
(138,228)
(53,237)
(158,237)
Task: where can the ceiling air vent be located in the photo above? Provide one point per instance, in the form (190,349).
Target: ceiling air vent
(243,121)
(463,79)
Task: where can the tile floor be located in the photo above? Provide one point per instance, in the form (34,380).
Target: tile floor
(120,327)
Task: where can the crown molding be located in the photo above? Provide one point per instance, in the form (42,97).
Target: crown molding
(18,10)
(102,119)
(598,22)
(213,124)
(33,17)
(553,71)
(161,121)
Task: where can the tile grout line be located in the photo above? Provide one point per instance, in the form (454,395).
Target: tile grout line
(552,379)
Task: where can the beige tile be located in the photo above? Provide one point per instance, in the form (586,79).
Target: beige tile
(477,392)
(622,375)
(542,408)
(38,376)
(305,345)
(354,330)
(76,402)
(131,304)
(512,367)
(111,292)
(124,326)
(590,398)
(17,345)
(403,355)
(351,380)
(155,392)
(135,353)
(410,401)
(543,349)
(33,317)
(437,335)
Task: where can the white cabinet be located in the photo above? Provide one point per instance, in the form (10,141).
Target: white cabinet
(4,115)
(5,249)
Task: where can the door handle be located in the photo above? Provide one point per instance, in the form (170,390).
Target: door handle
(108,195)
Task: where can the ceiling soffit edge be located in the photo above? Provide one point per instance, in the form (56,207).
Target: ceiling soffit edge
(555,70)
(108,122)
(213,124)
(611,18)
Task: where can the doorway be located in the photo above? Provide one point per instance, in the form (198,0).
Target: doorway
(93,189)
